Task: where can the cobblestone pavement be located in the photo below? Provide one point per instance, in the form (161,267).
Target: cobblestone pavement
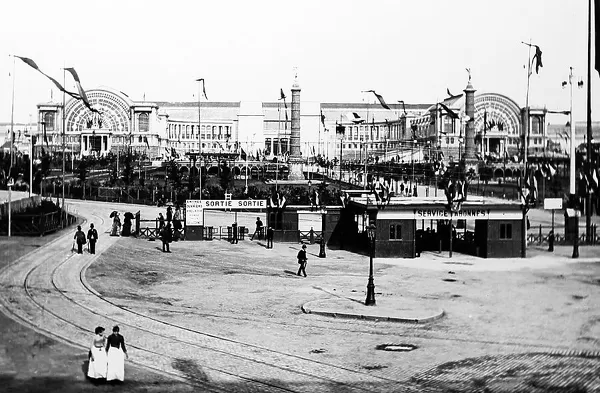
(227,318)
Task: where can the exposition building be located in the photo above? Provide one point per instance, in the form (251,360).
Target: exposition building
(263,129)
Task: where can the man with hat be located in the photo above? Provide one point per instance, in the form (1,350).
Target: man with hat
(302,260)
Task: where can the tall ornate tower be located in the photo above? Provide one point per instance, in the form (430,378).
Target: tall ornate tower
(470,158)
(296,172)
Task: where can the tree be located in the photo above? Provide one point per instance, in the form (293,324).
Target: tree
(83,169)
(225,176)
(174,175)
(128,168)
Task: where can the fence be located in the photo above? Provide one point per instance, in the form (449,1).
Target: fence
(539,235)
(150,229)
(37,224)
(141,196)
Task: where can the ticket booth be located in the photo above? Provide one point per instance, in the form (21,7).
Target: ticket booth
(407,226)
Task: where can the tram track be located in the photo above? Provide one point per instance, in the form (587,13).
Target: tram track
(244,356)
(237,360)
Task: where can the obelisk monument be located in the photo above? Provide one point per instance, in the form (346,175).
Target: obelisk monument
(296,161)
(470,158)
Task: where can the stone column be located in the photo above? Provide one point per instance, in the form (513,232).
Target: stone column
(470,158)
(296,161)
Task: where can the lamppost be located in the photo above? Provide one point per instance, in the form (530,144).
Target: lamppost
(572,195)
(370,301)
(200,81)
(412,156)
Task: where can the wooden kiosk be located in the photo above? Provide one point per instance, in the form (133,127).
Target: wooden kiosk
(406,226)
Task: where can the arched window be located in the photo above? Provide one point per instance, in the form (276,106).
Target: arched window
(144,124)
(49,121)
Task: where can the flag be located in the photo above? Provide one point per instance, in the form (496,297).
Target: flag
(449,111)
(82,95)
(146,141)
(380,98)
(403,107)
(203,87)
(32,64)
(243,155)
(174,153)
(537,58)
(484,122)
(582,186)
(354,117)
(282,97)
(322,118)
(533,186)
(340,129)
(286,119)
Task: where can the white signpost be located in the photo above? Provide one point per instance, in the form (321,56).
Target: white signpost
(194,208)
(553,204)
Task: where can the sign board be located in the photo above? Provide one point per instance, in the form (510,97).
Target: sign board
(193,212)
(194,207)
(233,204)
(553,203)
(444,214)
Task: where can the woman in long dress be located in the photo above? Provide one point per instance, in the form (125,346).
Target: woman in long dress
(116,353)
(97,364)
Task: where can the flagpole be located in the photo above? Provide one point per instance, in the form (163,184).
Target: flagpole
(588,210)
(12,113)
(199,141)
(367,133)
(278,143)
(572,146)
(572,195)
(525,137)
(63,152)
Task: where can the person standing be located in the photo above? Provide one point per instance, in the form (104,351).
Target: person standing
(116,226)
(169,213)
(234,229)
(166,237)
(80,239)
(302,260)
(177,223)
(161,221)
(116,354)
(270,234)
(258,230)
(97,365)
(92,236)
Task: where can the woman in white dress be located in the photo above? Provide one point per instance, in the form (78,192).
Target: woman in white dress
(116,353)
(98,362)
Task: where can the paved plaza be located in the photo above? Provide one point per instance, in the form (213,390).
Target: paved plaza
(215,316)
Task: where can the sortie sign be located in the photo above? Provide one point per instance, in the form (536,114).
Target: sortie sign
(194,207)
(233,204)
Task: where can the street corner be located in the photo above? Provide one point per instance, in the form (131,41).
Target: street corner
(387,309)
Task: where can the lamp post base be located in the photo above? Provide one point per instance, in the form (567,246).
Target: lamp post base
(370,301)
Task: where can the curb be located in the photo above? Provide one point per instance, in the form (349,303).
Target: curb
(307,310)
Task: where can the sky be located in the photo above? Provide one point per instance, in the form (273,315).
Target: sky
(248,50)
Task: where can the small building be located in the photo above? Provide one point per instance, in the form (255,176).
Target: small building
(406,226)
